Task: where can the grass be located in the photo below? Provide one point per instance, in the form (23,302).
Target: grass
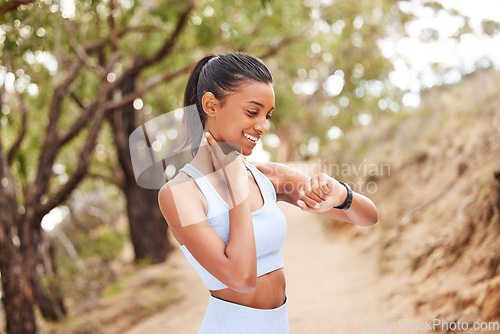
(134,297)
(112,290)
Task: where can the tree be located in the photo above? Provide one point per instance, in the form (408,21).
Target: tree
(73,73)
(21,213)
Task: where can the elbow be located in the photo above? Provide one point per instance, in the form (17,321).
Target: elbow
(244,283)
(372,216)
(367,219)
(372,219)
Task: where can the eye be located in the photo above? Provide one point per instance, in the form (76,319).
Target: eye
(252,112)
(269,117)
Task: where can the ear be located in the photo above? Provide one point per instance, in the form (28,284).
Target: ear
(209,104)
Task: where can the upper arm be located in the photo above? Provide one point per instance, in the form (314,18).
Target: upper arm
(287,181)
(184,212)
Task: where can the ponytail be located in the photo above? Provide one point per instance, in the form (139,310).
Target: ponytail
(193,111)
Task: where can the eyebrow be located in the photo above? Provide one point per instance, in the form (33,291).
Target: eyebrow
(259,104)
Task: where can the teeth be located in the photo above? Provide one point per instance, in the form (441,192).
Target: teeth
(252,138)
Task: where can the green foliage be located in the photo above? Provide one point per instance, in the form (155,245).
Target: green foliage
(91,275)
(112,290)
(213,26)
(104,243)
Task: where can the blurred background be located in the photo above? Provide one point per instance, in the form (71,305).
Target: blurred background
(398,98)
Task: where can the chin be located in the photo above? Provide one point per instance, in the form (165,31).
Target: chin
(246,152)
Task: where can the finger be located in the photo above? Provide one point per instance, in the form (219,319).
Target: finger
(315,187)
(217,154)
(304,207)
(215,147)
(323,184)
(301,204)
(233,155)
(310,194)
(213,158)
(303,195)
(216,162)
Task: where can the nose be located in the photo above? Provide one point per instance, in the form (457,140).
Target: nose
(262,126)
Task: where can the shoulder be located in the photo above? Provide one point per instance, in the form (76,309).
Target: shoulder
(180,180)
(174,194)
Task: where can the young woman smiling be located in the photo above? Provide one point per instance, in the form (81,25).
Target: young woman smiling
(222,210)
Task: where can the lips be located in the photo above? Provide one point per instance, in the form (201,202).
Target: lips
(251,138)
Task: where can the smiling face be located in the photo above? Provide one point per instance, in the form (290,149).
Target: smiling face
(241,118)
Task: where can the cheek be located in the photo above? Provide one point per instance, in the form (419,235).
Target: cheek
(235,121)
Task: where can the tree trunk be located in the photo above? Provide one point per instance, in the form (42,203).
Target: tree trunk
(148,229)
(16,283)
(287,146)
(18,294)
(48,293)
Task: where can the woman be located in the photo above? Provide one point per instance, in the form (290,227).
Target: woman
(222,210)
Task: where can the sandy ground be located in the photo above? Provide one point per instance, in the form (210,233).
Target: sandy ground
(333,285)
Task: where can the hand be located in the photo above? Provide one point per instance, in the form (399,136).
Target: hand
(321,193)
(231,168)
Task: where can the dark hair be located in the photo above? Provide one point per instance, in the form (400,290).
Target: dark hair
(218,74)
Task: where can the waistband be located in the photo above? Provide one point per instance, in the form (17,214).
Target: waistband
(226,317)
(232,305)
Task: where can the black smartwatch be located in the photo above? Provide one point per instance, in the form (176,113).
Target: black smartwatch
(347,203)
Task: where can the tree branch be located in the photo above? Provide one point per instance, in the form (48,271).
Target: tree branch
(17,143)
(112,26)
(12,5)
(96,46)
(101,108)
(81,52)
(149,85)
(87,150)
(258,27)
(50,144)
(166,48)
(169,43)
(110,180)
(8,195)
(111,105)
(75,128)
(275,47)
(77,100)
(85,155)
(121,143)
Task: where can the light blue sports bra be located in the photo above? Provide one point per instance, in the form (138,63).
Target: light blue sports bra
(269,224)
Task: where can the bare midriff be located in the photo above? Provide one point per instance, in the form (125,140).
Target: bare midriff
(269,292)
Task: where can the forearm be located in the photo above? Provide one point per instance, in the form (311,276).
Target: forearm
(240,248)
(362,211)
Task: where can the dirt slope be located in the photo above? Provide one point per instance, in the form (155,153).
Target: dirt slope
(439,208)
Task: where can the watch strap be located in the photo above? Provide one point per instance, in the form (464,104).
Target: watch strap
(348,201)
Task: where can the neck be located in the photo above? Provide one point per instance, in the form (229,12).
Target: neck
(203,159)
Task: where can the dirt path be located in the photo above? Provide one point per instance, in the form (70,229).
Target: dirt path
(333,286)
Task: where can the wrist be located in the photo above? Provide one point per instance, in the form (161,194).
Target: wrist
(348,200)
(238,192)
